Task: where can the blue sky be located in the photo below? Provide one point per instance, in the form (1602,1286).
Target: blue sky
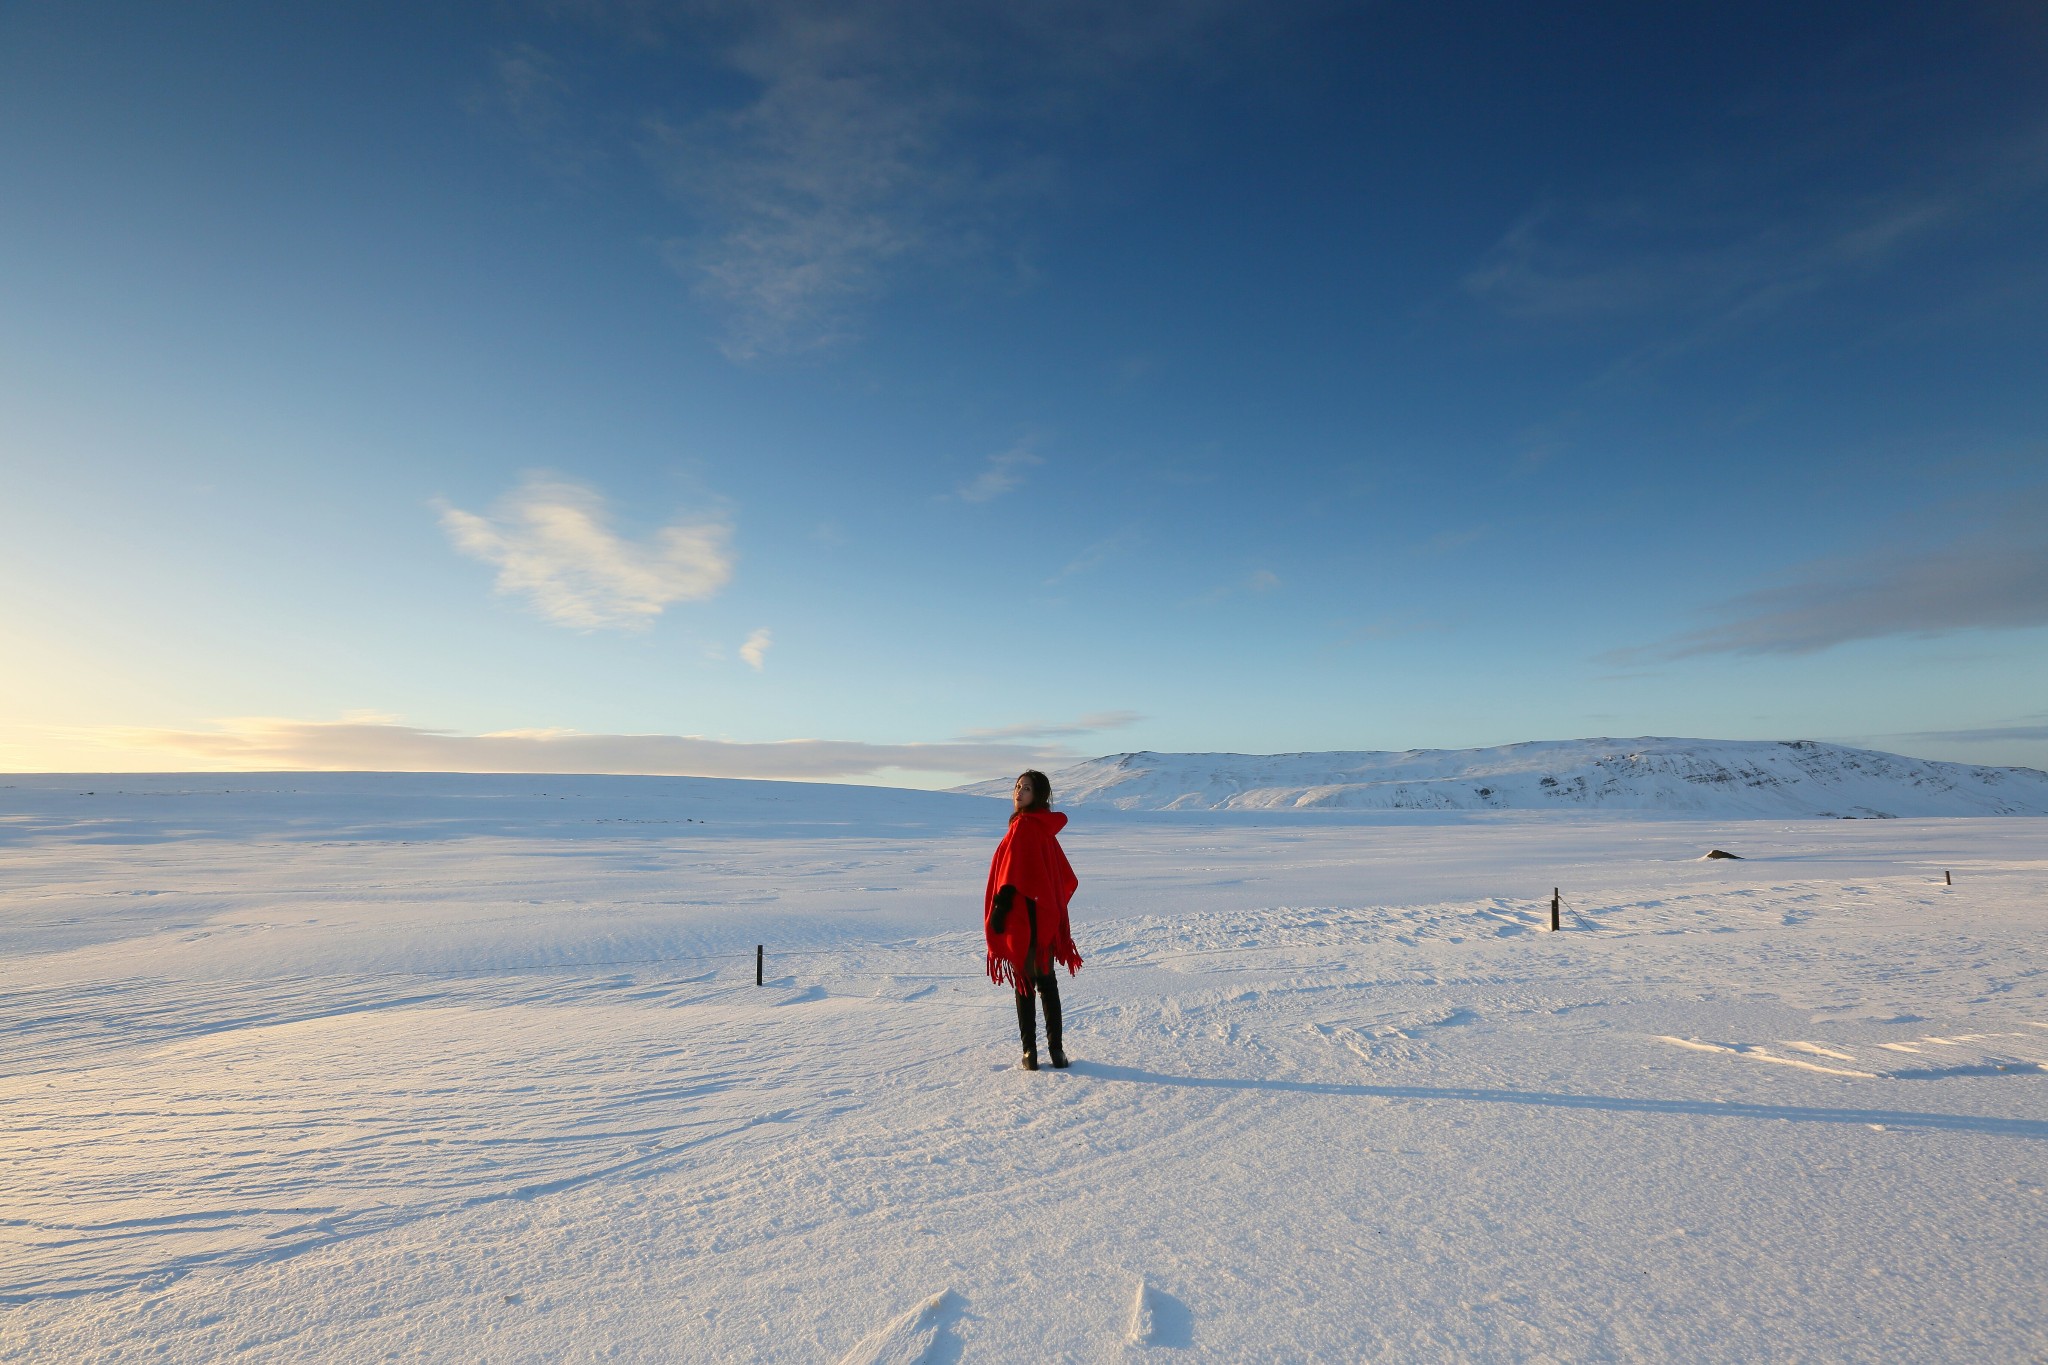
(901,392)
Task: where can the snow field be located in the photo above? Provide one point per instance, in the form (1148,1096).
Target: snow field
(279,1091)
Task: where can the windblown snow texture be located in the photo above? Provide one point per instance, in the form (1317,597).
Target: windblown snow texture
(1791,779)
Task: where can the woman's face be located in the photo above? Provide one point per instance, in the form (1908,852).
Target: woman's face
(1024,793)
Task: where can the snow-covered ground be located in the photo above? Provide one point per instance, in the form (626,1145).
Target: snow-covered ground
(360,1067)
(1790,779)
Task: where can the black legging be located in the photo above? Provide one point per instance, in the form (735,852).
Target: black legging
(1047,989)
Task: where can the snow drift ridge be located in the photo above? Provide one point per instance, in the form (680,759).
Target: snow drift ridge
(1790,778)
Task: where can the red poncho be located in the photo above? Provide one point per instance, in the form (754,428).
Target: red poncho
(1030,859)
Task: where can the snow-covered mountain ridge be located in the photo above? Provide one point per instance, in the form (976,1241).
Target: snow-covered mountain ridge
(1790,778)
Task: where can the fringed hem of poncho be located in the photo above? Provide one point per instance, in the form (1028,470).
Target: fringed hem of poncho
(1006,972)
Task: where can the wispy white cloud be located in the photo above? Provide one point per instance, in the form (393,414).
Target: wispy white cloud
(1096,555)
(1701,257)
(552,547)
(524,92)
(1385,628)
(524,86)
(864,141)
(755,650)
(382,744)
(1086,725)
(1625,258)
(1000,474)
(1992,576)
(1258,582)
(1984,734)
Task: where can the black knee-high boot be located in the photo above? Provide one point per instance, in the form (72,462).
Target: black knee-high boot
(1049,994)
(1027,1029)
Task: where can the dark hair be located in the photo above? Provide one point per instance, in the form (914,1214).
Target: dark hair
(1041,790)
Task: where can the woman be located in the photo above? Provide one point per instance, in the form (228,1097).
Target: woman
(1025,914)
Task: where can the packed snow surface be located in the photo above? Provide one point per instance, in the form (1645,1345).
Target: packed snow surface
(325,1068)
(1714,777)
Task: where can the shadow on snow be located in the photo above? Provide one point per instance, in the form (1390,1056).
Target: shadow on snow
(1617,1104)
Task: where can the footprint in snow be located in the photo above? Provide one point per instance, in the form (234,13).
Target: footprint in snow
(1158,1319)
(923,1336)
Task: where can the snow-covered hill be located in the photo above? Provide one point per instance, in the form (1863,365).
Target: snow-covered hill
(1797,778)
